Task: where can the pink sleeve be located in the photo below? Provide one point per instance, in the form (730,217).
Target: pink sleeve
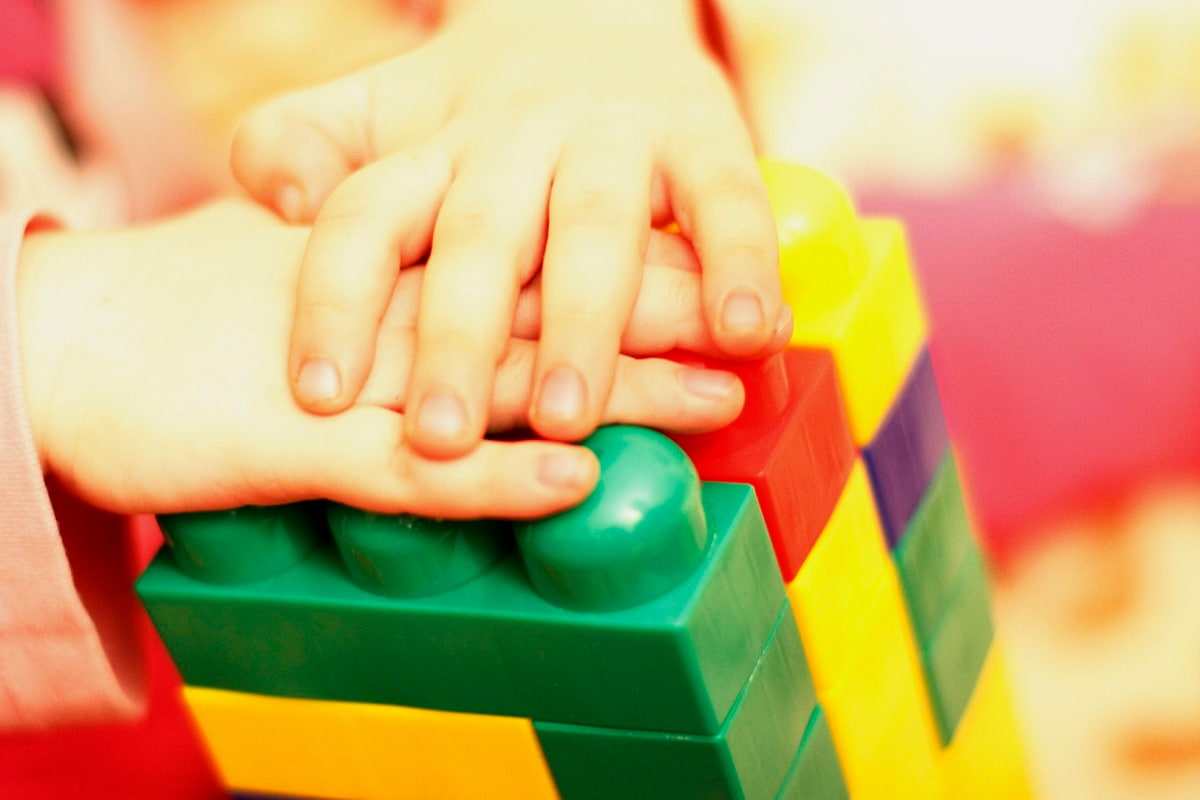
(68,648)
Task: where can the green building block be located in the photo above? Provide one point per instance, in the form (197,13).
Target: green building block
(816,774)
(640,533)
(954,658)
(747,759)
(243,544)
(400,555)
(931,554)
(493,645)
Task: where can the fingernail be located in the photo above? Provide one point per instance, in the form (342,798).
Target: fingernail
(709,383)
(783,328)
(318,381)
(562,394)
(442,415)
(562,470)
(290,202)
(742,311)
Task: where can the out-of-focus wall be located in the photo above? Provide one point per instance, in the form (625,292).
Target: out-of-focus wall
(1097,100)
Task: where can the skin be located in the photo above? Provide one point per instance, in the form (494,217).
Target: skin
(154,381)
(524,138)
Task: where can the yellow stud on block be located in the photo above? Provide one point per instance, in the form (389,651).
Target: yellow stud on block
(878,710)
(851,287)
(985,760)
(839,579)
(359,751)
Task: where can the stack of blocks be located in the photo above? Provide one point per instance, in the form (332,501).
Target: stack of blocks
(812,621)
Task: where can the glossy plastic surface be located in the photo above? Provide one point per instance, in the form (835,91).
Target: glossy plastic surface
(321,748)
(796,453)
(930,556)
(399,555)
(985,759)
(878,707)
(638,535)
(874,333)
(816,774)
(243,544)
(906,451)
(747,759)
(960,644)
(492,645)
(833,591)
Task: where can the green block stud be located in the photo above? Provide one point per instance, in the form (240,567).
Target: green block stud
(954,659)
(816,774)
(243,544)
(399,555)
(491,645)
(747,759)
(639,534)
(931,554)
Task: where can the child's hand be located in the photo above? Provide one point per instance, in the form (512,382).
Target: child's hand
(523,129)
(155,382)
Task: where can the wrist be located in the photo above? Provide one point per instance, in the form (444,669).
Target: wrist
(43,326)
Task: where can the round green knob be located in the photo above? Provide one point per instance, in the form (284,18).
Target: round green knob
(638,535)
(400,555)
(242,544)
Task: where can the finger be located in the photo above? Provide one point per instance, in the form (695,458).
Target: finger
(652,392)
(364,462)
(649,391)
(721,204)
(599,223)
(668,315)
(672,250)
(292,152)
(487,240)
(377,222)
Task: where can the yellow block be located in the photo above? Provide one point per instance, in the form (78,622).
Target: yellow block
(359,751)
(839,579)
(851,287)
(878,710)
(985,760)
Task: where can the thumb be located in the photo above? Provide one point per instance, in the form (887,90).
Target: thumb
(291,152)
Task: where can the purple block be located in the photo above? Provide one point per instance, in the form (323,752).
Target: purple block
(907,449)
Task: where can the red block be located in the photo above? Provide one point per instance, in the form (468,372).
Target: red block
(792,443)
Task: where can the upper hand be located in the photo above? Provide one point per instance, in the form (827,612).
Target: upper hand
(512,140)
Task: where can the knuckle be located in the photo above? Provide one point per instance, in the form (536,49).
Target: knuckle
(740,187)
(469,227)
(592,208)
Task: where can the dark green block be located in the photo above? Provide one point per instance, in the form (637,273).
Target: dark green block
(492,645)
(954,659)
(816,774)
(747,759)
(246,544)
(933,550)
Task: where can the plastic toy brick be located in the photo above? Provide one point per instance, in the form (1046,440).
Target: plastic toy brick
(243,544)
(985,760)
(841,576)
(493,645)
(816,774)
(748,759)
(907,449)
(792,443)
(879,706)
(851,287)
(933,549)
(955,656)
(363,751)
